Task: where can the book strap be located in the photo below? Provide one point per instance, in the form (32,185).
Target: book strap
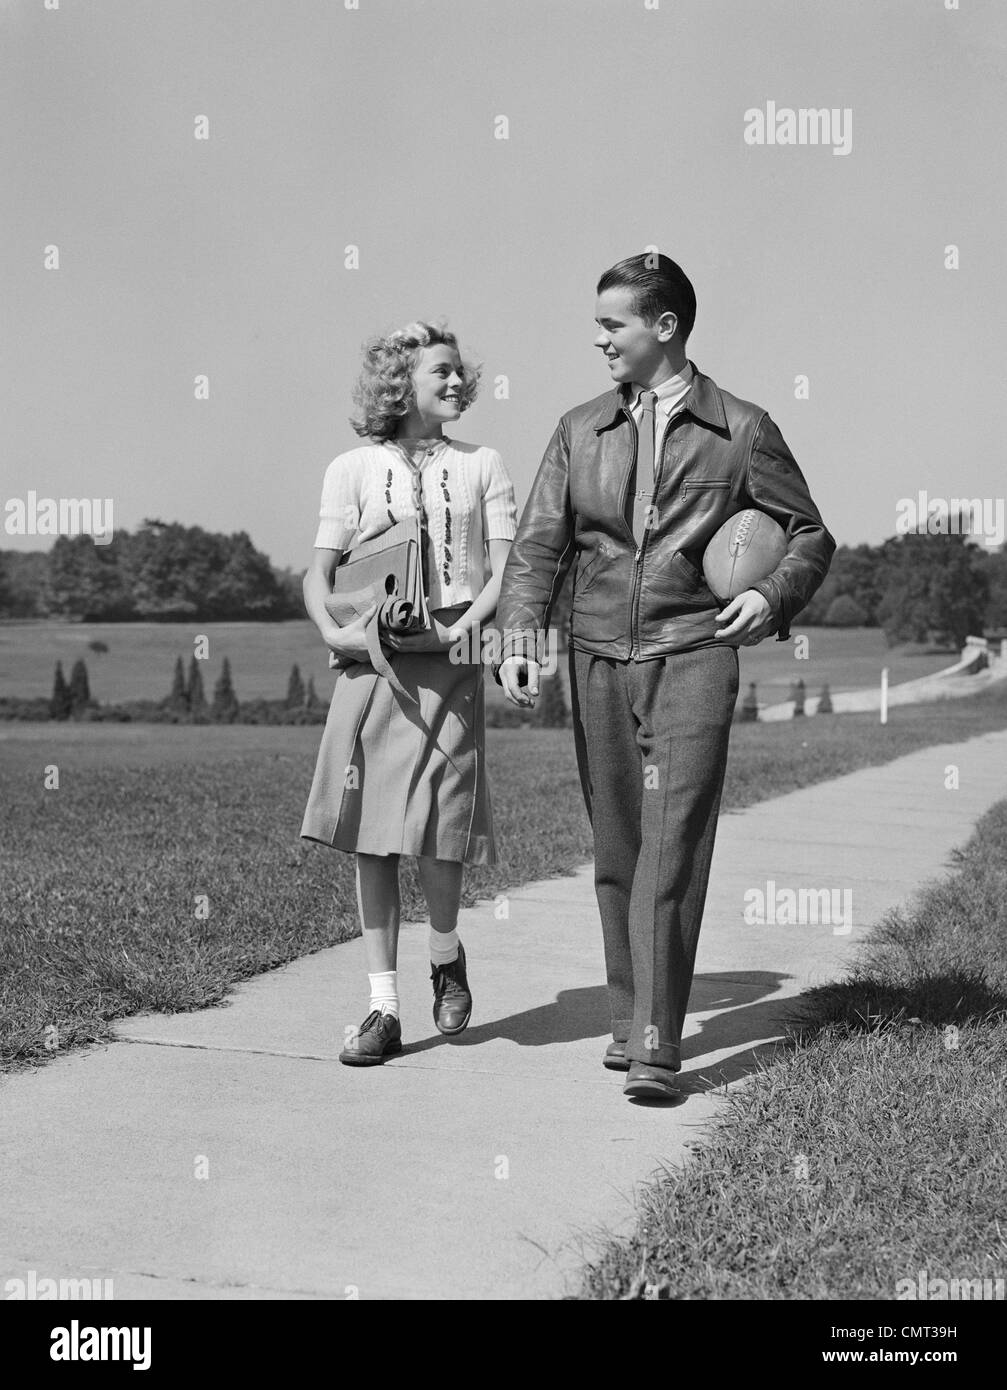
(380,662)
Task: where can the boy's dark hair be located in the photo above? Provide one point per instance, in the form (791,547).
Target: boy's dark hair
(658,286)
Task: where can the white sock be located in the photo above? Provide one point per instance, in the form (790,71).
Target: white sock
(443,947)
(385,992)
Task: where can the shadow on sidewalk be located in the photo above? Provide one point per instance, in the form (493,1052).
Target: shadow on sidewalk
(748,1015)
(575,1014)
(751,1019)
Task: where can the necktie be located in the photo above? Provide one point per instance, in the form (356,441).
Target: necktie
(644,466)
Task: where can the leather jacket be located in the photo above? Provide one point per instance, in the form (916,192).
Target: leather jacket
(718,455)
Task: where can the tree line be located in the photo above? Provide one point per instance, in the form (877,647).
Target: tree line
(162,572)
(917,588)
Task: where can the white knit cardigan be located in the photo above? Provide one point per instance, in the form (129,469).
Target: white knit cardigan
(466,493)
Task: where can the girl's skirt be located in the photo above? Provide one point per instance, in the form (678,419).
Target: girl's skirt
(394,777)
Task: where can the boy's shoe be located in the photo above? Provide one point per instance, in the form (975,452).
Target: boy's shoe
(379,1037)
(452,1000)
(615,1057)
(651,1083)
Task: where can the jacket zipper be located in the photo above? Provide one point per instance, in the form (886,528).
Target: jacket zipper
(634,604)
(622,511)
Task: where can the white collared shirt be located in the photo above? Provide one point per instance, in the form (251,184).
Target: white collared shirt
(670,394)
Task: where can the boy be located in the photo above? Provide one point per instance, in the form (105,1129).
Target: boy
(633,485)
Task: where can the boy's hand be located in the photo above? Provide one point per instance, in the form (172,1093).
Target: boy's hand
(519,678)
(749,618)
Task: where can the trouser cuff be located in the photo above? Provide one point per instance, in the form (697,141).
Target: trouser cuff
(666,1055)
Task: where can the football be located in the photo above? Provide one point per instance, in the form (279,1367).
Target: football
(746,549)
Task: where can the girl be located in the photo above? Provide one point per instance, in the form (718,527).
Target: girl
(394,777)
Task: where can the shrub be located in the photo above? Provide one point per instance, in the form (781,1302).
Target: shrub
(748,709)
(845,611)
(60,705)
(550,709)
(178,700)
(142,712)
(295,689)
(259,711)
(224,709)
(80,689)
(38,709)
(505,717)
(195,694)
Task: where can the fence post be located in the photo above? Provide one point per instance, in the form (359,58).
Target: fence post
(884,695)
(750,705)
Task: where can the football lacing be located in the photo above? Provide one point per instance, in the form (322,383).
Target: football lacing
(744,526)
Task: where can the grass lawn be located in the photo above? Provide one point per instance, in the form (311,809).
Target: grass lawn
(102,876)
(845,658)
(876,1147)
(770,759)
(140,659)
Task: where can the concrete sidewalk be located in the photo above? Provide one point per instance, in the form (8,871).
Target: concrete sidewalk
(227,1154)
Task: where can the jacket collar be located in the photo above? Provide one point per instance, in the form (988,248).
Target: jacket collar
(702,400)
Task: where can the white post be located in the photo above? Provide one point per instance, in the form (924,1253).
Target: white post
(884,695)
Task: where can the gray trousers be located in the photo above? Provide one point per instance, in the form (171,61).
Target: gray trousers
(651,741)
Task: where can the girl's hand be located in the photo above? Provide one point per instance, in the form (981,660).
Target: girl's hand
(349,642)
(437,638)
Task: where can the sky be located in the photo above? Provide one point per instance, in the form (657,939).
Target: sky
(376,127)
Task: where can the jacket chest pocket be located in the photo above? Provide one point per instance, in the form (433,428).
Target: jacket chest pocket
(706,485)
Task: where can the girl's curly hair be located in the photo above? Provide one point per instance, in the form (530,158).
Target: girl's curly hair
(384,390)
